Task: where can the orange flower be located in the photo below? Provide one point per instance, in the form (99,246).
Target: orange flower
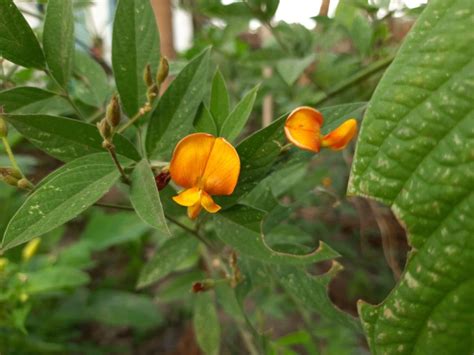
(303,129)
(204,165)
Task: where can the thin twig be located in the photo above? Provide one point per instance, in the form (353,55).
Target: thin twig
(111,149)
(357,78)
(146,108)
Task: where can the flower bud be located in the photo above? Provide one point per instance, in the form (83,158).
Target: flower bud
(105,129)
(24,184)
(203,286)
(147,76)
(3,127)
(152,93)
(10,176)
(30,249)
(162,179)
(163,70)
(112,114)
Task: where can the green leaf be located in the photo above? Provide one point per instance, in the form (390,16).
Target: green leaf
(92,86)
(291,69)
(122,309)
(206,324)
(135,43)
(65,138)
(173,118)
(72,189)
(220,105)
(167,258)
(237,119)
(18,43)
(247,238)
(58,39)
(311,292)
(145,198)
(55,278)
(104,230)
(26,99)
(415,153)
(257,155)
(204,122)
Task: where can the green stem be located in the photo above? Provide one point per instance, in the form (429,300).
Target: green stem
(11,156)
(355,79)
(111,150)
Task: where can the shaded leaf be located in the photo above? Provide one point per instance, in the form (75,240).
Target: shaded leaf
(204,122)
(124,309)
(206,324)
(167,258)
(18,43)
(291,69)
(58,39)
(247,238)
(55,278)
(135,43)
(65,138)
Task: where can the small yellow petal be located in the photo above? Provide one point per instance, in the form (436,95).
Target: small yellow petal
(302,128)
(208,203)
(188,197)
(341,136)
(193,211)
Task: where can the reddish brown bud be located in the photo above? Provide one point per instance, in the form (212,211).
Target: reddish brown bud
(203,286)
(24,184)
(162,179)
(105,129)
(152,92)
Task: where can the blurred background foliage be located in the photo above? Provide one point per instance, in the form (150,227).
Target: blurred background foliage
(76,293)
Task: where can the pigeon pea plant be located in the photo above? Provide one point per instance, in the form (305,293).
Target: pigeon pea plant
(163,151)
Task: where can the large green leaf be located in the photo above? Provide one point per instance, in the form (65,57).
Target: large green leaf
(26,99)
(167,258)
(416,153)
(173,118)
(239,116)
(246,236)
(65,138)
(206,324)
(135,43)
(18,43)
(71,190)
(145,198)
(58,39)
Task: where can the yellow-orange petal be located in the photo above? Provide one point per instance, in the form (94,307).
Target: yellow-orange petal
(222,169)
(188,197)
(341,136)
(302,128)
(193,211)
(208,203)
(190,159)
